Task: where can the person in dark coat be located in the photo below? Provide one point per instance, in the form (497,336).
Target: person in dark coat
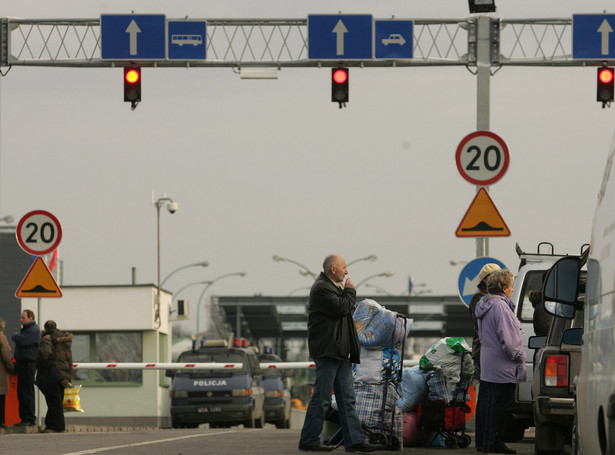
(26,349)
(54,373)
(6,367)
(334,346)
(481,398)
(541,319)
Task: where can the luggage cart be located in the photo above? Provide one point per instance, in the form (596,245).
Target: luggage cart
(448,418)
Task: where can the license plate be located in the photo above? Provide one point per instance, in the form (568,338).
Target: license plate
(211,409)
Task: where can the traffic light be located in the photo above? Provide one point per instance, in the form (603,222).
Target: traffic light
(606,85)
(339,86)
(132,86)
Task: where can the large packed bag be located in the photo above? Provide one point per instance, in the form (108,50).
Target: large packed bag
(412,388)
(378,365)
(378,327)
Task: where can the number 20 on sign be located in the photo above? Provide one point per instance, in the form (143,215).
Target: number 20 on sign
(482,158)
(38,233)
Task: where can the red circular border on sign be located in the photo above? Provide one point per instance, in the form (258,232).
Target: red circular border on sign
(23,245)
(496,138)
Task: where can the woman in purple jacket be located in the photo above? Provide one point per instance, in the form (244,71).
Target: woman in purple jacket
(502,357)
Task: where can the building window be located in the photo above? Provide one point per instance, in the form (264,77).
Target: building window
(108,347)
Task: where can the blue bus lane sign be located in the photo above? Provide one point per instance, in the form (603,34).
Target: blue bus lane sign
(186,39)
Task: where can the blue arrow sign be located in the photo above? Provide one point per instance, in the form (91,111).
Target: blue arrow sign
(340,36)
(132,36)
(186,39)
(393,38)
(593,36)
(468,278)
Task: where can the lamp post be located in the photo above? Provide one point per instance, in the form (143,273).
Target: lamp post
(277,258)
(7,219)
(198,264)
(454,263)
(198,308)
(172,208)
(378,288)
(306,271)
(385,274)
(371,257)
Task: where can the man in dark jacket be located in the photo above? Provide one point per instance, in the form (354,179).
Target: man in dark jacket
(54,373)
(26,349)
(334,346)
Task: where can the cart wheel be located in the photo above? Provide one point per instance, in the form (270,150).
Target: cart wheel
(378,439)
(464,441)
(450,442)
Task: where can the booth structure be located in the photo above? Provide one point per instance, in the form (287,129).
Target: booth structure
(114,324)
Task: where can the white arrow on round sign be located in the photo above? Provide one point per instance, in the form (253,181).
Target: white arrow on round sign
(482,158)
(38,232)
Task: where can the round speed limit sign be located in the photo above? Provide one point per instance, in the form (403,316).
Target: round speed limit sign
(482,158)
(38,232)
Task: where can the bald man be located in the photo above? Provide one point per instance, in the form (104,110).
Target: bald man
(334,347)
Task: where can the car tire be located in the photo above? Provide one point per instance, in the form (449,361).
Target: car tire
(250,422)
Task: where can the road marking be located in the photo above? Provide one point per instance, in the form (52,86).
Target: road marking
(137,444)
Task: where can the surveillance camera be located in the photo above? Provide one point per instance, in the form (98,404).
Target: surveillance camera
(172,207)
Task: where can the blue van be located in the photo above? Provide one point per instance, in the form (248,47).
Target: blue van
(277,393)
(220,398)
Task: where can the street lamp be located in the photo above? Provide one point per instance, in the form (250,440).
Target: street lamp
(277,258)
(198,308)
(7,219)
(385,274)
(371,257)
(453,263)
(198,264)
(172,208)
(378,288)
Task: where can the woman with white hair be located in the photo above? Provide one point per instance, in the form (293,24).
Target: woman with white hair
(6,367)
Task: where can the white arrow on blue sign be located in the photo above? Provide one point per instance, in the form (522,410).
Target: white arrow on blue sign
(593,37)
(468,278)
(133,36)
(340,36)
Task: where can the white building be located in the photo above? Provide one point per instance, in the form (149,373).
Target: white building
(114,324)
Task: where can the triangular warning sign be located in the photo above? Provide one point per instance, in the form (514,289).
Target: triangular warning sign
(38,282)
(482,219)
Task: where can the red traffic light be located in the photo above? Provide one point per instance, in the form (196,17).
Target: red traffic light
(132,76)
(340,76)
(605,75)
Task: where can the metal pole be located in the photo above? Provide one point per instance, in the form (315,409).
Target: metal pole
(483,80)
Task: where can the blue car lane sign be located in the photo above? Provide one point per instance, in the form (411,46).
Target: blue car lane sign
(186,39)
(340,36)
(133,36)
(593,36)
(468,278)
(393,39)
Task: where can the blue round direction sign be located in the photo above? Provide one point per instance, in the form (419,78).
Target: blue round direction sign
(468,278)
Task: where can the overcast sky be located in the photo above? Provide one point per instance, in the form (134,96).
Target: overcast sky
(273,167)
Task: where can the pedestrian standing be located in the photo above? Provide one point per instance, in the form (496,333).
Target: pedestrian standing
(481,398)
(54,372)
(6,367)
(26,348)
(334,346)
(502,357)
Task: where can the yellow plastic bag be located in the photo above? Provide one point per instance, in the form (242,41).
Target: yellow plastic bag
(72,402)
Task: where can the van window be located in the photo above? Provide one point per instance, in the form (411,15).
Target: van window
(533,281)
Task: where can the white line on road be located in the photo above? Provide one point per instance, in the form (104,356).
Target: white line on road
(136,444)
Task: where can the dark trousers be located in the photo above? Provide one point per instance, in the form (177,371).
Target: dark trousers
(54,396)
(499,398)
(2,404)
(25,370)
(481,407)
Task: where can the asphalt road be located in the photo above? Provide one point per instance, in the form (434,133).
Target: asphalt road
(231,441)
